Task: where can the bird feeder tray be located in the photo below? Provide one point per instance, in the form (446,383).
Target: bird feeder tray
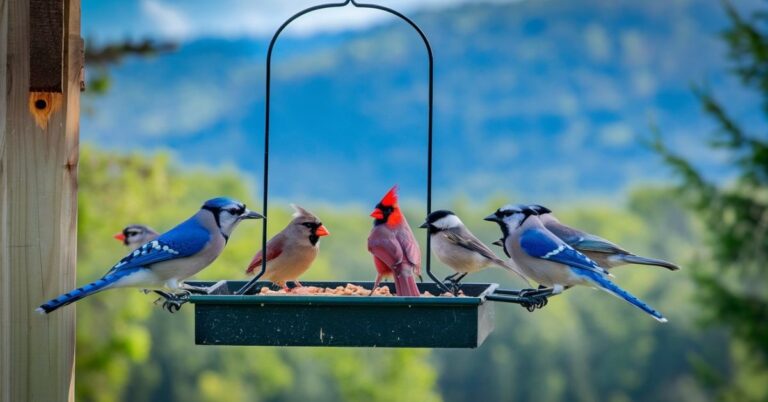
(225,318)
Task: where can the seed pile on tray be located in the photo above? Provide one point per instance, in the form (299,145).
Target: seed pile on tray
(349,290)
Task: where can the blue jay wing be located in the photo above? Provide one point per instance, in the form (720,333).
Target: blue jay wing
(184,240)
(598,245)
(537,243)
(583,241)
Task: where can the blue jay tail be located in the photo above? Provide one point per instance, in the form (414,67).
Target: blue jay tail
(636,259)
(77,294)
(610,287)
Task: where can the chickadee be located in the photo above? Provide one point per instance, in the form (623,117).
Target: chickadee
(134,236)
(455,246)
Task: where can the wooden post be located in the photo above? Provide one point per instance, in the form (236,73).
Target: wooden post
(38,195)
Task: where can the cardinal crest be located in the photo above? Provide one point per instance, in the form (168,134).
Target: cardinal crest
(390,199)
(301,212)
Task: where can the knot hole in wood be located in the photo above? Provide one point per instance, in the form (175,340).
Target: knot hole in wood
(42,105)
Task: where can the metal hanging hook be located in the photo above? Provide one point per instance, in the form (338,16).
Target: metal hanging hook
(265,221)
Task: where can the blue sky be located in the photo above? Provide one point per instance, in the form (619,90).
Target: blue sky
(187,20)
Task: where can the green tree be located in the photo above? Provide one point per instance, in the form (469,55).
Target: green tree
(129,349)
(731,276)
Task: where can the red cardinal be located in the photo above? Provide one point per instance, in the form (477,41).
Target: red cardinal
(292,251)
(395,251)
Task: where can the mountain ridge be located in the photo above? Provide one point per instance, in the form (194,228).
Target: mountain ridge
(548,100)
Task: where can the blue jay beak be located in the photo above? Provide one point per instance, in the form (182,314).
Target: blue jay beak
(248,214)
(492,218)
(424,225)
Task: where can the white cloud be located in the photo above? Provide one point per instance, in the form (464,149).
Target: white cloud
(169,20)
(617,135)
(188,19)
(598,44)
(635,48)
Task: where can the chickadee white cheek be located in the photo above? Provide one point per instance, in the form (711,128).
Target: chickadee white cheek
(448,222)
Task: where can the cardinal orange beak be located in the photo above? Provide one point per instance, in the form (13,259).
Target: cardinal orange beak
(377,214)
(322,231)
(119,236)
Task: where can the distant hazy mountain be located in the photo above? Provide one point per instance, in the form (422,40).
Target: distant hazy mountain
(539,100)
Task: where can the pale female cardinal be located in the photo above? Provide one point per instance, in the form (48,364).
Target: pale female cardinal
(395,251)
(291,252)
(135,236)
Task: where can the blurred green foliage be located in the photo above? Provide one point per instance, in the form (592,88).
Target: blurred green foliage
(584,345)
(730,274)
(129,349)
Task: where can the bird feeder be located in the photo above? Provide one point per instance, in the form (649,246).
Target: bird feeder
(225,318)
(236,313)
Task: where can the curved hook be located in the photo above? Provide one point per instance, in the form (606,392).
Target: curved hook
(252,282)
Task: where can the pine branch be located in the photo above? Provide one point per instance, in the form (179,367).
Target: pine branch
(113,53)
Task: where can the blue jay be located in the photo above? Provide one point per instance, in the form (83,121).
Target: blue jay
(551,262)
(457,247)
(174,256)
(603,252)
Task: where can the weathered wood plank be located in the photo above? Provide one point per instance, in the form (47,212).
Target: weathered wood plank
(38,216)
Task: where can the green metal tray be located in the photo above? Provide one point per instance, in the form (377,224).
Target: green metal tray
(223,318)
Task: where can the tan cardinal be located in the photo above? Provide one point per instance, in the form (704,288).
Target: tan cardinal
(291,252)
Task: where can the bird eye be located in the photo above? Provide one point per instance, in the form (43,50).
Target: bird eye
(308,224)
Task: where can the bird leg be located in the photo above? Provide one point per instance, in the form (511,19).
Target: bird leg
(451,279)
(285,286)
(194,289)
(454,282)
(455,288)
(375,284)
(536,298)
(173,302)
